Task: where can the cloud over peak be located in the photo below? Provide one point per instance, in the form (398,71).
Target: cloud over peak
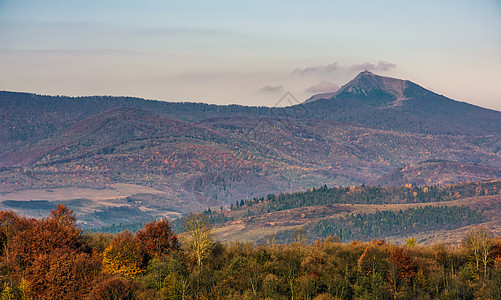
(330,68)
(380,66)
(323,87)
(336,67)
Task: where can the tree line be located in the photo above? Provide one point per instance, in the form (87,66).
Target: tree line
(388,223)
(350,195)
(375,195)
(52,259)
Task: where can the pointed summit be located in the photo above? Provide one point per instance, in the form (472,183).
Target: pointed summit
(366,83)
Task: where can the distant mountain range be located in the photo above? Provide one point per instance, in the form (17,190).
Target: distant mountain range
(374,130)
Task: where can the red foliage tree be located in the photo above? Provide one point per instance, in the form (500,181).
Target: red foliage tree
(62,275)
(58,231)
(114,289)
(157,238)
(49,254)
(10,225)
(403,266)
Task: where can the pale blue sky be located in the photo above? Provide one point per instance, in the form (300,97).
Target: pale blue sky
(247,52)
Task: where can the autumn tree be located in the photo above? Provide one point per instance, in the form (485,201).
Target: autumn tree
(7,292)
(99,241)
(373,261)
(62,275)
(157,238)
(290,269)
(402,268)
(63,216)
(124,256)
(115,289)
(50,255)
(478,243)
(57,231)
(10,225)
(175,287)
(373,265)
(198,228)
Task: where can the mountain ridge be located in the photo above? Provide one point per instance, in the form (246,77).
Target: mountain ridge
(201,155)
(389,103)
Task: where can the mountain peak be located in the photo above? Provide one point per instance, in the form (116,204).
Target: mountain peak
(365,83)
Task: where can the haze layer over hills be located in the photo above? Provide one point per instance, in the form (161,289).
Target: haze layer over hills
(169,158)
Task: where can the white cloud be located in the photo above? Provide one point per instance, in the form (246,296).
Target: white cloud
(330,68)
(381,66)
(335,67)
(271,89)
(323,87)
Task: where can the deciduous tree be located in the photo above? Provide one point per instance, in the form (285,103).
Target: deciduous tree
(478,242)
(10,225)
(115,289)
(403,268)
(198,228)
(157,238)
(124,256)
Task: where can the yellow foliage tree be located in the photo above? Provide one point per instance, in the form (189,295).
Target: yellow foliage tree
(7,293)
(479,246)
(198,228)
(124,256)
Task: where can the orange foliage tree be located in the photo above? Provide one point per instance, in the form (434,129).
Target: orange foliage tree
(49,254)
(10,225)
(58,231)
(62,275)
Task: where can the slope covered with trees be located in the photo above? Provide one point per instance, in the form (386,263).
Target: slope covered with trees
(375,130)
(62,262)
(368,195)
(361,212)
(219,161)
(438,171)
(388,223)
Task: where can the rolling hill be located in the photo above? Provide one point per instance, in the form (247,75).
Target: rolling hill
(434,214)
(438,172)
(375,130)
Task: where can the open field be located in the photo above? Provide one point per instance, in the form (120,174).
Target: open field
(119,190)
(87,203)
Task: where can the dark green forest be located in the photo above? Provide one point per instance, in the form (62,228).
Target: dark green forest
(387,223)
(370,195)
(424,218)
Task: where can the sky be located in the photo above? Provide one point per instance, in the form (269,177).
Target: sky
(248,52)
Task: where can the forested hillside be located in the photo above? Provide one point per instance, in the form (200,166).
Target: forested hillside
(369,195)
(51,258)
(189,156)
(438,171)
(388,223)
(361,213)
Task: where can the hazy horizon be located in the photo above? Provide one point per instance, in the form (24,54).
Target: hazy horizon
(251,53)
